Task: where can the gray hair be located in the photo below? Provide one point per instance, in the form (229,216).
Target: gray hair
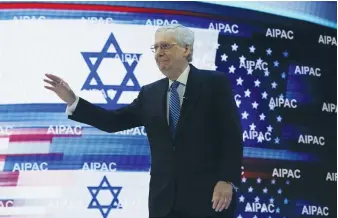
(184,36)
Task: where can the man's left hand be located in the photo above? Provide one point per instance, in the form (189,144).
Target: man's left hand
(222,196)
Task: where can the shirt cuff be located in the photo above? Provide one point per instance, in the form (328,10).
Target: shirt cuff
(70,109)
(233,186)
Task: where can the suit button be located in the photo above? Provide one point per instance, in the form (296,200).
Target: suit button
(174,149)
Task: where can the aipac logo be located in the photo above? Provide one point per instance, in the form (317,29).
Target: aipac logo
(105,204)
(94,82)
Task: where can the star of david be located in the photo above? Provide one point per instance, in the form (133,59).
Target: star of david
(93,77)
(104,209)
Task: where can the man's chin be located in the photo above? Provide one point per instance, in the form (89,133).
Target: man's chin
(163,68)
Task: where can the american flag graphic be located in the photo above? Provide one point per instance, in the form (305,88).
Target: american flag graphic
(258,74)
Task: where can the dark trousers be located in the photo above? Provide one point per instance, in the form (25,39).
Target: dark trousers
(226,213)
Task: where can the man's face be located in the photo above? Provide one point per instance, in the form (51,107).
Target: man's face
(168,54)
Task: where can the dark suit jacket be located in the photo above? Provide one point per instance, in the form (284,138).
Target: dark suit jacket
(207,147)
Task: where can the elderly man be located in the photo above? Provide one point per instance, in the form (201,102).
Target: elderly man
(192,125)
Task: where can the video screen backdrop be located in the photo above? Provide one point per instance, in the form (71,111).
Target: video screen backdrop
(283,73)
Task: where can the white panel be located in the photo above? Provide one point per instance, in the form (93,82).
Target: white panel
(43,47)
(19,192)
(17,211)
(4,143)
(73,196)
(27,148)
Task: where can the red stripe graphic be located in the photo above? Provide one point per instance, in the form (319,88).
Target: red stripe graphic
(9,178)
(92,7)
(30,138)
(257,175)
(36,134)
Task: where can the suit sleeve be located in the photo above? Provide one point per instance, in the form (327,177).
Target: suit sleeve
(109,120)
(231,151)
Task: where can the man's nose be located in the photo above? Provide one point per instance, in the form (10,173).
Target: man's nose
(159,53)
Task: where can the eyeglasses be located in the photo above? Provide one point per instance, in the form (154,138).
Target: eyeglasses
(163,46)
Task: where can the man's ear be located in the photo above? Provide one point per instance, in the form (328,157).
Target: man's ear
(187,51)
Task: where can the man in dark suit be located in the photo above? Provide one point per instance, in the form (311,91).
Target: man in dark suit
(192,126)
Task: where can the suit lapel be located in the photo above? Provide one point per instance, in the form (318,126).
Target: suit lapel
(191,95)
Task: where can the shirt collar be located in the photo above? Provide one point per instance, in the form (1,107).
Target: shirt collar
(183,78)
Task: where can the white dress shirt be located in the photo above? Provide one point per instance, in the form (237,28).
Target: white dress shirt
(71,109)
(183,78)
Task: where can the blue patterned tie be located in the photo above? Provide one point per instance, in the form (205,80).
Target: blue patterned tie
(174,107)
